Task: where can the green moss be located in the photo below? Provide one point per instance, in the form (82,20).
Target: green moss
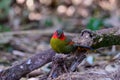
(107,40)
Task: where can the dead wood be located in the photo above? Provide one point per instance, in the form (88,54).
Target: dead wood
(36,61)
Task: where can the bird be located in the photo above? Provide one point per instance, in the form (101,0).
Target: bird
(62,44)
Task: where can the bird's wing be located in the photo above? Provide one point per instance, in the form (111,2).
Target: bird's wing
(68,41)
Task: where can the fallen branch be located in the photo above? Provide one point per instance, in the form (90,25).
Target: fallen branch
(38,60)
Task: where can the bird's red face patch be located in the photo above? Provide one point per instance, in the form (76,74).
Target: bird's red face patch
(62,37)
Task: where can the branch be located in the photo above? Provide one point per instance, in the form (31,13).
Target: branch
(38,60)
(106,37)
(100,38)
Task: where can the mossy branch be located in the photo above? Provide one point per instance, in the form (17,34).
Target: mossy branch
(106,37)
(98,39)
(106,40)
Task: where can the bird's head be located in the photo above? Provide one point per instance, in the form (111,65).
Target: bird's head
(59,34)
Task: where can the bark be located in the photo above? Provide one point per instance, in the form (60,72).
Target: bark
(106,37)
(36,61)
(100,38)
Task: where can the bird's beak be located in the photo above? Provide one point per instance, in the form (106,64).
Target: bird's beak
(59,35)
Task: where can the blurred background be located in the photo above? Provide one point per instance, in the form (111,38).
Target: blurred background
(26,25)
(71,15)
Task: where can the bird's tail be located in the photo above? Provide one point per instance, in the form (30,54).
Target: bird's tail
(83,48)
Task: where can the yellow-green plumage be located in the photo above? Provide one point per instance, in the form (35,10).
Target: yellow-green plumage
(61,46)
(60,43)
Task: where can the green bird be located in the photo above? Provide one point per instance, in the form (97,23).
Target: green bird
(62,44)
